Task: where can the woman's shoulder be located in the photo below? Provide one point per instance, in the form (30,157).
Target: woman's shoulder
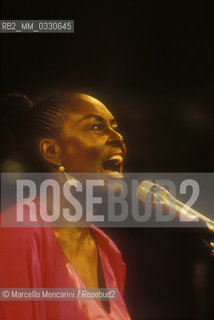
(27,248)
(22,222)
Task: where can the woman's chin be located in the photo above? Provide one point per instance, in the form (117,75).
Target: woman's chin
(113,184)
(114,175)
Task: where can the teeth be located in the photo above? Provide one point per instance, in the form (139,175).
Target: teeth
(116,157)
(115,173)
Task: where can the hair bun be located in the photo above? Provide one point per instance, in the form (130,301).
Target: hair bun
(19,101)
(15,105)
(14,109)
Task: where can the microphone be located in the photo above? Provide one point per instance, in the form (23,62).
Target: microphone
(158,195)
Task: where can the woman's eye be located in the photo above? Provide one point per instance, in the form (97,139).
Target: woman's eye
(97,127)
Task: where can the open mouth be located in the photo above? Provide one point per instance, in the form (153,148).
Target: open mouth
(113,164)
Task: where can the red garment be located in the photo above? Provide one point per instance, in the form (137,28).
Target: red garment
(33,258)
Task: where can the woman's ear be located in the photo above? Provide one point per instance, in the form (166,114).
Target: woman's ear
(50,151)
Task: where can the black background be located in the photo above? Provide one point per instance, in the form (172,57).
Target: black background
(152,64)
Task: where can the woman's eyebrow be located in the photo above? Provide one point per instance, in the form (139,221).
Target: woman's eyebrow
(113,121)
(95,116)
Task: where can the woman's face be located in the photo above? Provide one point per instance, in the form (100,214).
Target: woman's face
(89,140)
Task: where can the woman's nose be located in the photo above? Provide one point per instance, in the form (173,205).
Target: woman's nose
(115,137)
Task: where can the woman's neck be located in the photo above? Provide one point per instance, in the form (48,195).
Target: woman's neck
(66,214)
(73,233)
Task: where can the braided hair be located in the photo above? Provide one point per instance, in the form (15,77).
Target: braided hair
(29,122)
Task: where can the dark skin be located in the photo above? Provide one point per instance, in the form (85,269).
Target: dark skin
(88,137)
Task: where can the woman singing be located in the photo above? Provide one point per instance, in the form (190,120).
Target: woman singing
(63,133)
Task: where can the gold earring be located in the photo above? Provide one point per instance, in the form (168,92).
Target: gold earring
(70,179)
(61,168)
